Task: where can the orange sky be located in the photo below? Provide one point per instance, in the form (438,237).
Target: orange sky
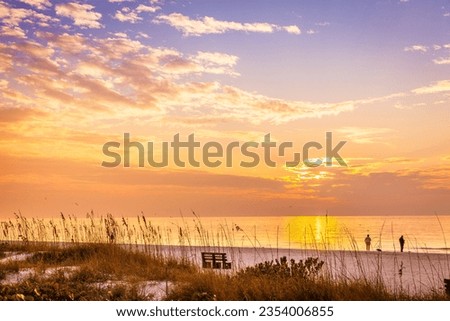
(74,76)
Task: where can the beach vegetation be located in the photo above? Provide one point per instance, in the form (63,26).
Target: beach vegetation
(109,259)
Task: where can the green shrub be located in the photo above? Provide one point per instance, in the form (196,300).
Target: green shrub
(282,269)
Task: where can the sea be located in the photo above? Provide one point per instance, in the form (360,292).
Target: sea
(429,234)
(421,233)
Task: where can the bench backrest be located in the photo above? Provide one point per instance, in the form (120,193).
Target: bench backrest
(215,260)
(213,256)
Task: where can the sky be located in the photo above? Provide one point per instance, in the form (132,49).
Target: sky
(76,76)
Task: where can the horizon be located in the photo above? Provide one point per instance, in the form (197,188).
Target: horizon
(422,233)
(77,76)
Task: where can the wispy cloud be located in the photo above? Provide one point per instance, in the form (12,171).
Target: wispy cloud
(12,31)
(437,87)
(82,15)
(442,61)
(124,78)
(419,48)
(216,62)
(438,48)
(38,4)
(143,8)
(15,16)
(126,14)
(120,78)
(364,135)
(209,25)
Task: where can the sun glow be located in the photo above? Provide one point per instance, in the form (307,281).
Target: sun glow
(314,231)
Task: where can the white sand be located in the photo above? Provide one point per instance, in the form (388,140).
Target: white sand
(410,272)
(15,256)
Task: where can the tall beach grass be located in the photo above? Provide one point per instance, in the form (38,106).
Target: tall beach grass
(175,249)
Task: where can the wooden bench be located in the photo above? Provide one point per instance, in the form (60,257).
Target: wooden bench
(215,260)
(447,286)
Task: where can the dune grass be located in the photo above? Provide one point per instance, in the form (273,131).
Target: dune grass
(112,272)
(96,259)
(85,272)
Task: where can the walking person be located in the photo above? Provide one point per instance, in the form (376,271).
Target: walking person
(402,243)
(367,240)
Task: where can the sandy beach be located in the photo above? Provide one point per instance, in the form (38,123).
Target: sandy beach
(409,272)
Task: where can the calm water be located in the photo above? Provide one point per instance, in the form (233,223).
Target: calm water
(422,233)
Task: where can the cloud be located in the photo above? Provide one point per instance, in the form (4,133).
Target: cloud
(14,16)
(82,14)
(209,25)
(216,62)
(66,43)
(143,8)
(364,135)
(419,48)
(125,79)
(121,35)
(244,106)
(120,78)
(4,84)
(442,61)
(65,92)
(435,47)
(9,115)
(437,87)
(360,191)
(141,34)
(402,191)
(216,58)
(293,29)
(38,4)
(12,31)
(116,77)
(126,15)
(201,63)
(441,46)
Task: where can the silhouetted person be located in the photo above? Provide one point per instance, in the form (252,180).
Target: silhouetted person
(402,243)
(367,240)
